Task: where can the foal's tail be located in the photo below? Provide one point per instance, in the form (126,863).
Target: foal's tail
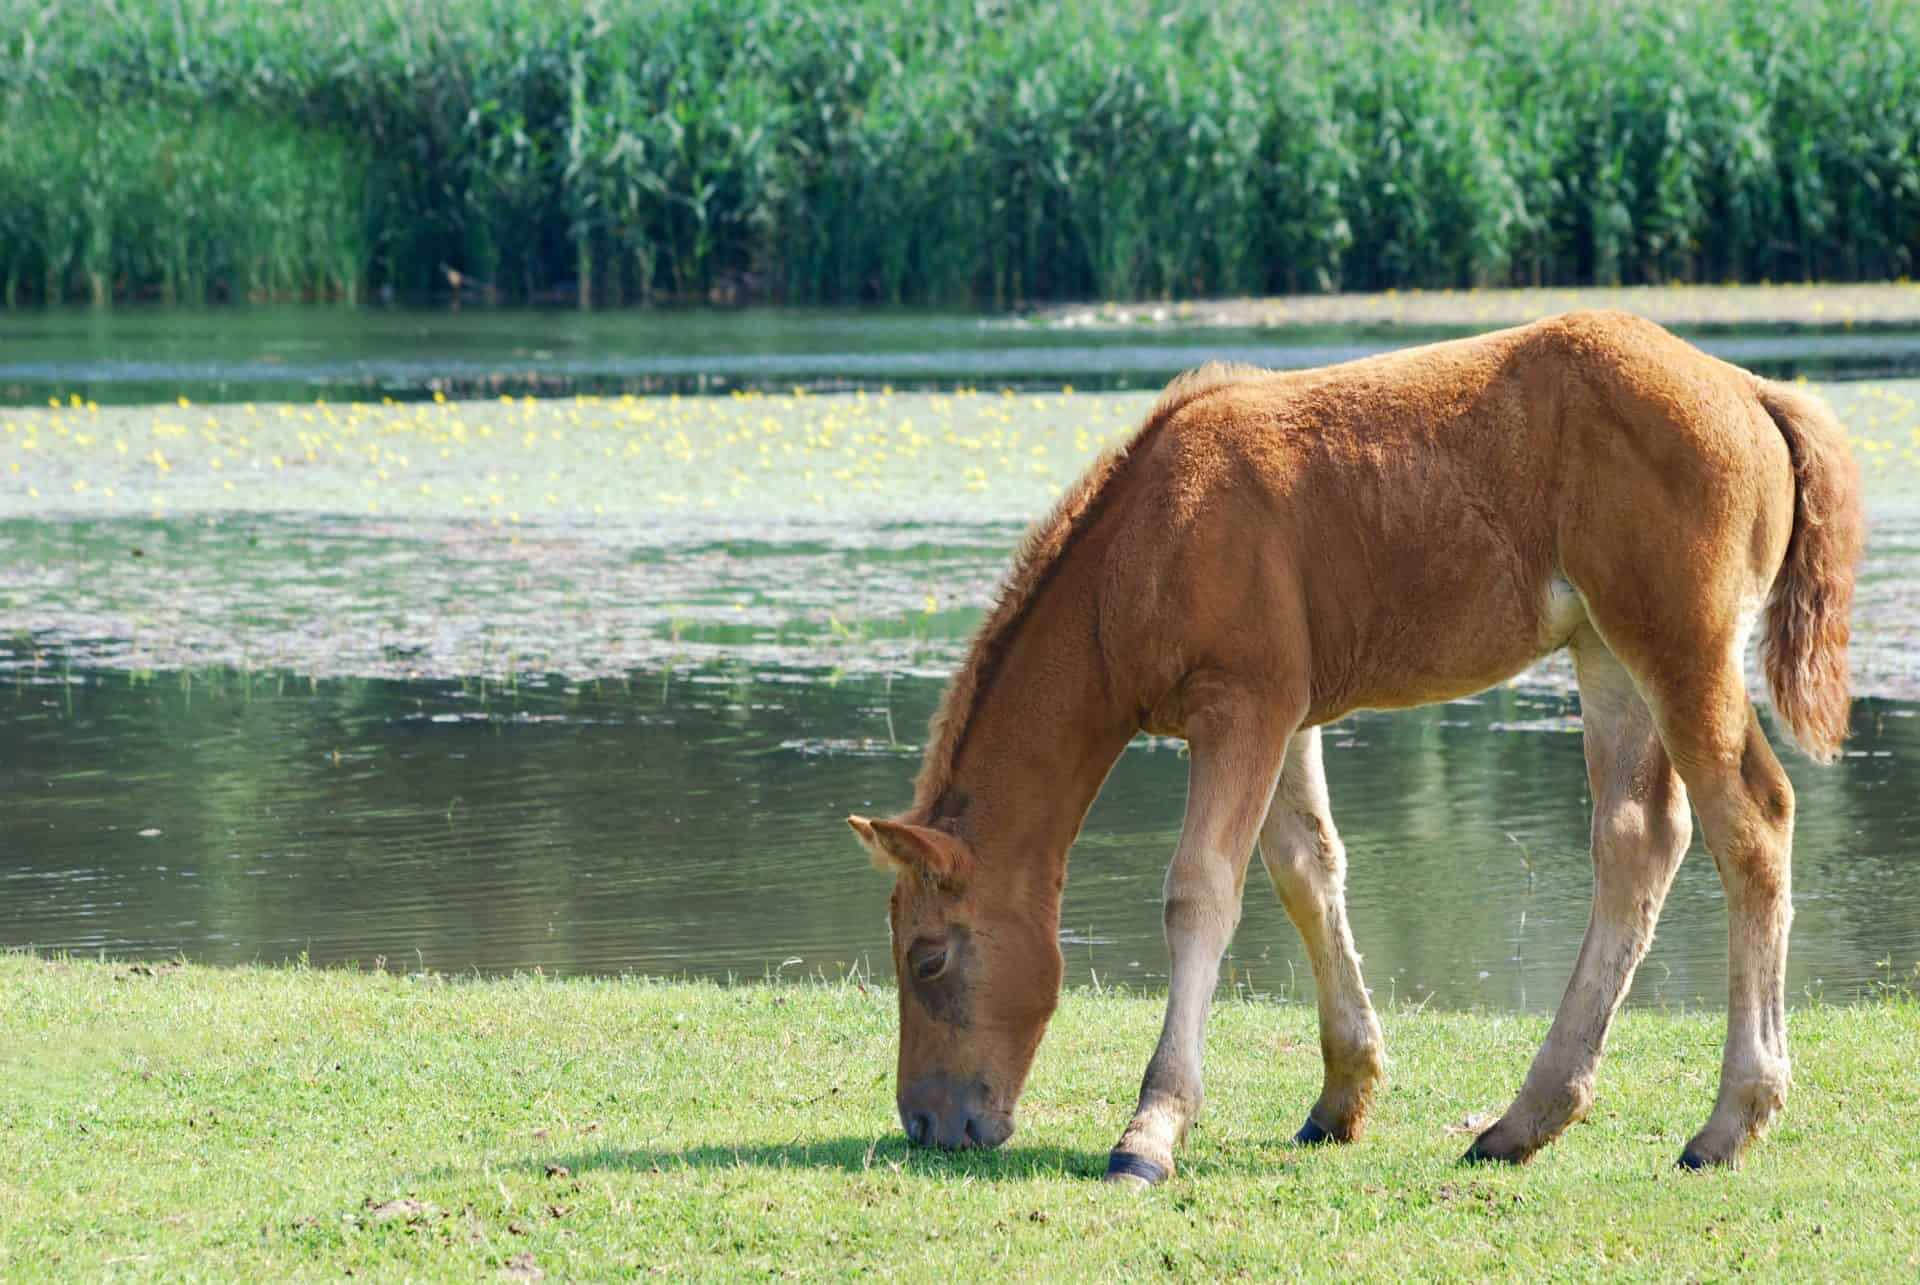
(1805,645)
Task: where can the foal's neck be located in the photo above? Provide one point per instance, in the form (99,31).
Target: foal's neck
(1043,735)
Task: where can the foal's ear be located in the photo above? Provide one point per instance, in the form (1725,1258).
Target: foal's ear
(899,848)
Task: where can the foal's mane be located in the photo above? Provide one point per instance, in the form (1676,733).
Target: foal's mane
(1038,557)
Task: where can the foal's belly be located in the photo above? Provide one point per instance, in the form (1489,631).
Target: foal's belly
(1450,649)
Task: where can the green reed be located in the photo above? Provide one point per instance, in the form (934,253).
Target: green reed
(178,205)
(950,151)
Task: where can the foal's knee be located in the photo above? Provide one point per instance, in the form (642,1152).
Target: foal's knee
(1200,908)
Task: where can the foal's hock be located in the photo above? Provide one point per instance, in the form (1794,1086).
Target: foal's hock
(1271,551)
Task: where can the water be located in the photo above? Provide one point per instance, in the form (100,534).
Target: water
(133,355)
(589,685)
(590,539)
(691,823)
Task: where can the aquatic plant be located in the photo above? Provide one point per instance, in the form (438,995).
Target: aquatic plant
(958,152)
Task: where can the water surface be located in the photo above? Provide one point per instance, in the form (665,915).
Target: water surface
(691,823)
(135,354)
(587,684)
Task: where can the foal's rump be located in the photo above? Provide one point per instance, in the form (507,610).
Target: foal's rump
(1708,493)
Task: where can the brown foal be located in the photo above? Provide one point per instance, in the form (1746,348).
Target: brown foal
(1273,550)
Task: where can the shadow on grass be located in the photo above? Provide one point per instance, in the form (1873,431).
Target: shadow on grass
(846,1154)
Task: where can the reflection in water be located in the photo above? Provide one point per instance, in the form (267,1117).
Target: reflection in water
(691,823)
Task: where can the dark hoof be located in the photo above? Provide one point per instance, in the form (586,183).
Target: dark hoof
(1312,1135)
(1122,1165)
(1478,1154)
(1692,1161)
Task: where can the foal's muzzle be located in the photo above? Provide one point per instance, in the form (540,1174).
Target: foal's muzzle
(938,1113)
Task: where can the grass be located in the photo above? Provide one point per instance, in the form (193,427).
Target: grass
(291,1123)
(960,151)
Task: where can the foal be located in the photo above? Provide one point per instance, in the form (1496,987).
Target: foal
(1273,550)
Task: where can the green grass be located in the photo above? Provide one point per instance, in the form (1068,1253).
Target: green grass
(950,151)
(281,1123)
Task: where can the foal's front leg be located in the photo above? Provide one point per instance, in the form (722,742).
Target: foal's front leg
(1237,756)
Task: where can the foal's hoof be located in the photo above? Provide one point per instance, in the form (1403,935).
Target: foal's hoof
(1312,1135)
(1692,1161)
(1134,1170)
(1484,1153)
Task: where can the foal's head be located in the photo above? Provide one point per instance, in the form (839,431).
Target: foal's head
(979,972)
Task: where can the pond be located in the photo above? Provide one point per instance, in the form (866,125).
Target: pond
(691,823)
(587,683)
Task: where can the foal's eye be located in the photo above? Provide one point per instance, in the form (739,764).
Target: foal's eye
(930,962)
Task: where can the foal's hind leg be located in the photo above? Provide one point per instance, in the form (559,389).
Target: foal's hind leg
(1640,832)
(1308,865)
(1745,803)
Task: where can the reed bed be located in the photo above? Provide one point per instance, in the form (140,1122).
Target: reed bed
(950,152)
(182,205)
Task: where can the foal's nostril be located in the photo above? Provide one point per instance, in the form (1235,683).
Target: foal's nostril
(920,1128)
(987,1131)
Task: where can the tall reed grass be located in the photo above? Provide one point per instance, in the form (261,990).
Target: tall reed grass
(951,150)
(181,204)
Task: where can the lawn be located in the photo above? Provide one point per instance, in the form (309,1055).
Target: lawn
(269,1123)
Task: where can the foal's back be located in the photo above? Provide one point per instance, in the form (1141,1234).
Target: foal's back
(1424,524)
